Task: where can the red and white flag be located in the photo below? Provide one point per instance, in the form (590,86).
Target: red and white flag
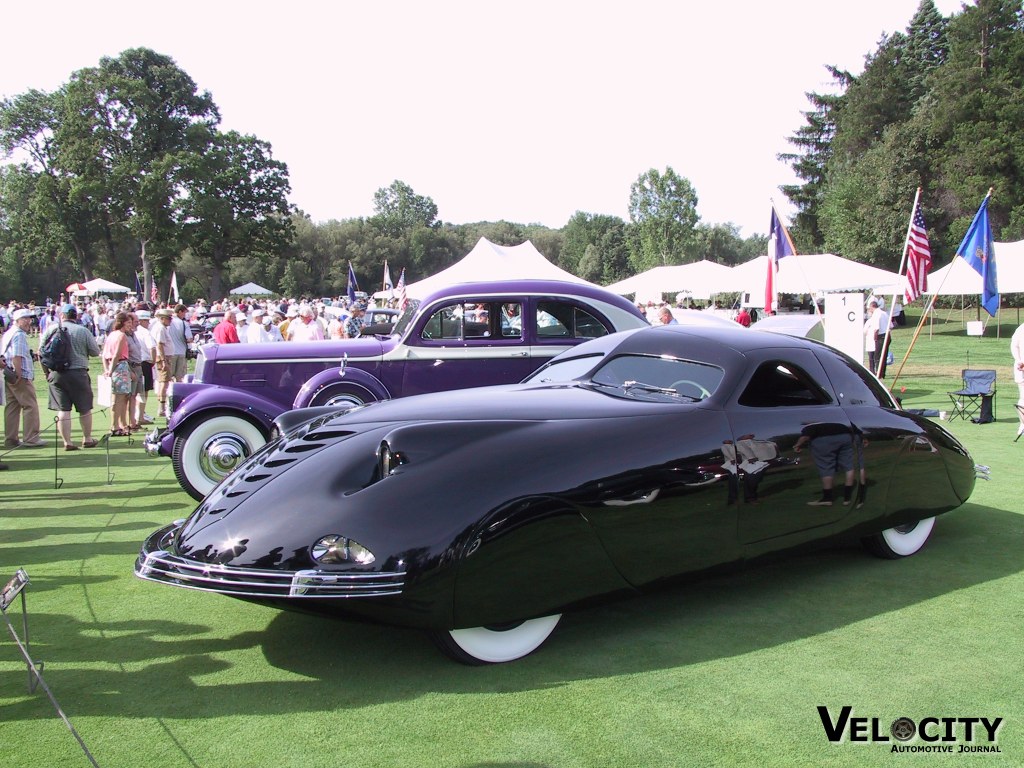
(919,256)
(154,294)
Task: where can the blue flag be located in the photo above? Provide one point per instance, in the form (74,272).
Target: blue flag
(783,245)
(978,251)
(353,286)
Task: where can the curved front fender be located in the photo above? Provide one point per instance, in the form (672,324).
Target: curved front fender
(360,379)
(213,398)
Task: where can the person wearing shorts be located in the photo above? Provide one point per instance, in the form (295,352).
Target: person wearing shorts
(832,451)
(163,351)
(72,388)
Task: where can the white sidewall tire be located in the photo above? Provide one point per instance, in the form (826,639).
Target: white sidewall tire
(497,646)
(909,543)
(187,450)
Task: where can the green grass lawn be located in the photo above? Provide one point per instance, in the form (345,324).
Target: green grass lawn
(726,670)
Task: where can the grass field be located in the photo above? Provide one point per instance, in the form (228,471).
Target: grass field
(723,671)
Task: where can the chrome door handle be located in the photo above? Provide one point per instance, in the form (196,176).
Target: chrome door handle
(647,499)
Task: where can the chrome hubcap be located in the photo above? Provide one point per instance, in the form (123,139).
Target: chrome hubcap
(221,454)
(343,400)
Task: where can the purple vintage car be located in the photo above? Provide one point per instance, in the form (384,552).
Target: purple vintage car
(467,335)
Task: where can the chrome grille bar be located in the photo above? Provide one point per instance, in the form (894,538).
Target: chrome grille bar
(162,567)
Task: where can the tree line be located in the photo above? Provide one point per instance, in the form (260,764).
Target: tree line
(122,172)
(939,106)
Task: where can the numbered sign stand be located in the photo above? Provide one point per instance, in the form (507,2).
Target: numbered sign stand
(13,588)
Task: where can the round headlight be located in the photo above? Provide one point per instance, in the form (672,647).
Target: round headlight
(338,549)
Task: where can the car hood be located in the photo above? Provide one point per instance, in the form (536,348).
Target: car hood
(323,477)
(324,350)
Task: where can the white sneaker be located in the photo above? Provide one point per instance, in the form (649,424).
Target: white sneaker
(146,420)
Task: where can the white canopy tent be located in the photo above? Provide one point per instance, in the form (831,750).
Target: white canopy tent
(810,273)
(251,289)
(488,261)
(99,285)
(701,280)
(958,278)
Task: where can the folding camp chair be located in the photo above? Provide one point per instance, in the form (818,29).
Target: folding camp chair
(976,399)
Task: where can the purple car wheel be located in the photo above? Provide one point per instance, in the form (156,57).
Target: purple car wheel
(495,645)
(210,449)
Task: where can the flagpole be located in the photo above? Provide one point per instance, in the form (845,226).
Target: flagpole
(930,307)
(799,266)
(899,272)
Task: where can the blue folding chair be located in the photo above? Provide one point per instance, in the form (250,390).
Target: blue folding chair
(975,400)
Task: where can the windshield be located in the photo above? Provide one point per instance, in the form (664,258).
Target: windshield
(405,318)
(659,378)
(564,369)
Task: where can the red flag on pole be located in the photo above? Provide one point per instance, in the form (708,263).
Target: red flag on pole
(919,256)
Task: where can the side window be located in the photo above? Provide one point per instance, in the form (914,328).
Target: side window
(445,323)
(474,320)
(560,320)
(512,320)
(779,384)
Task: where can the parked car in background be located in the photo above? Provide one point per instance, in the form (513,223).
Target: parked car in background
(473,334)
(379,321)
(482,515)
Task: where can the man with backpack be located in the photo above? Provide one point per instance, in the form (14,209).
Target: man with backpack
(68,376)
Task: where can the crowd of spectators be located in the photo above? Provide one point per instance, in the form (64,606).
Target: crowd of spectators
(144,347)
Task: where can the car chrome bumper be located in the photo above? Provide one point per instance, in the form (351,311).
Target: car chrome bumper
(156,564)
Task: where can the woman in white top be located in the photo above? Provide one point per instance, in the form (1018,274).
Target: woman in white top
(1017,350)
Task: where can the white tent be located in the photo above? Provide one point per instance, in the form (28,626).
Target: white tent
(251,289)
(488,261)
(701,280)
(99,285)
(810,273)
(958,278)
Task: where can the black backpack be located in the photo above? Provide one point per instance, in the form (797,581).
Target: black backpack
(55,354)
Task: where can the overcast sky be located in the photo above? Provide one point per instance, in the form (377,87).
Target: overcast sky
(526,111)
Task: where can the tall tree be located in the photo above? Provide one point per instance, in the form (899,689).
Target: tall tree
(813,142)
(663,216)
(54,224)
(235,203)
(398,209)
(594,247)
(127,127)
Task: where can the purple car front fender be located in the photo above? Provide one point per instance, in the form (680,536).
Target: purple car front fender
(354,381)
(207,399)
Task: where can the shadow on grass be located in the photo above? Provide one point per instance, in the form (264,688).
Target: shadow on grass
(705,619)
(36,535)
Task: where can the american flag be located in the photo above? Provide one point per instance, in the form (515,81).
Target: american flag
(403,298)
(919,256)
(154,294)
